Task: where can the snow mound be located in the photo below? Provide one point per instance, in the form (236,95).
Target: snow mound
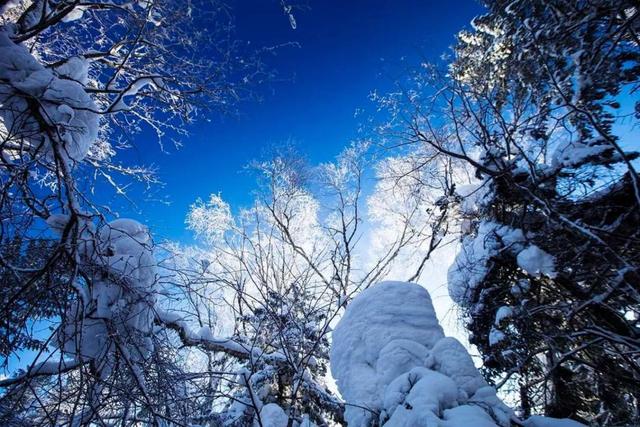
(393,363)
(392,316)
(395,368)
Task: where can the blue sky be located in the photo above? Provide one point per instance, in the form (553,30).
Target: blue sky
(347,49)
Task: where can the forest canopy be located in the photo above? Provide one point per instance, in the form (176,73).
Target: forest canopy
(507,165)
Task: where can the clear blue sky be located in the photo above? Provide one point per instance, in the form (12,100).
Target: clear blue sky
(347,49)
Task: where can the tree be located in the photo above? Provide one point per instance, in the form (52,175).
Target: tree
(76,79)
(532,102)
(288,266)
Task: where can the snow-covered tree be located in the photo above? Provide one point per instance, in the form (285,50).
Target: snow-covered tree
(289,265)
(77,81)
(395,367)
(535,101)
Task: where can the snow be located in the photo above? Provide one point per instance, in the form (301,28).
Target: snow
(74,15)
(473,196)
(125,247)
(575,153)
(74,68)
(398,357)
(418,398)
(536,262)
(205,338)
(452,359)
(119,298)
(503,312)
(61,102)
(473,262)
(292,19)
(389,355)
(391,362)
(496,336)
(380,315)
(8,5)
(539,421)
(49,367)
(133,90)
(466,416)
(520,288)
(272,415)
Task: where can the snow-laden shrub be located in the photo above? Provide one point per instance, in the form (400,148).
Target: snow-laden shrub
(394,367)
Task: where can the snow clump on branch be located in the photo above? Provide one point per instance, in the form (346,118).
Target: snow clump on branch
(45,111)
(116,310)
